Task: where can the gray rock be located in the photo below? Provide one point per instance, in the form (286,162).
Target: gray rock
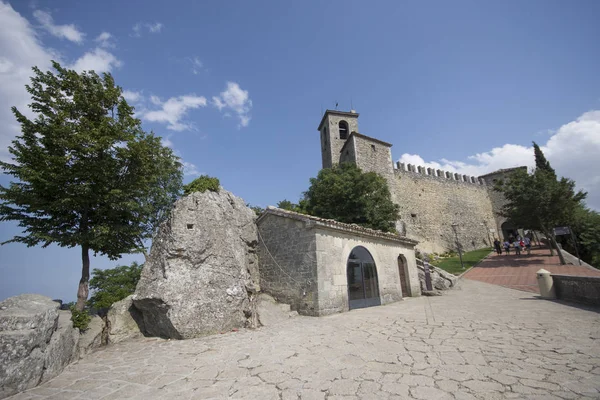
(270,312)
(62,349)
(123,321)
(440,279)
(202,272)
(91,338)
(27,323)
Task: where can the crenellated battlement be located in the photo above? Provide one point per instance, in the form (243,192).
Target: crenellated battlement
(438,174)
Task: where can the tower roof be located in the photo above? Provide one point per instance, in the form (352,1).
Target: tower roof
(336,112)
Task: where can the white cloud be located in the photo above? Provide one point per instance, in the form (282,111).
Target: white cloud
(154,28)
(237,100)
(131,96)
(166,141)
(572,150)
(174,110)
(105,40)
(20,49)
(98,60)
(69,32)
(140,27)
(190,169)
(196,65)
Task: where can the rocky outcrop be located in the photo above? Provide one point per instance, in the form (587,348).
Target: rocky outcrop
(201,275)
(440,279)
(91,338)
(36,342)
(123,321)
(62,348)
(270,312)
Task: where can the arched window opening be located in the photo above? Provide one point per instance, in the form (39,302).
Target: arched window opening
(363,286)
(343,126)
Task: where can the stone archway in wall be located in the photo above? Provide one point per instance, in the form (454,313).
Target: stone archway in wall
(363,285)
(508,230)
(403,272)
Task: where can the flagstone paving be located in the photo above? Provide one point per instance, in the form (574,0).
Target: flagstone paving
(519,272)
(478,341)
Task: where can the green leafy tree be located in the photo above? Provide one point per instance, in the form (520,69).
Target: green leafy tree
(288,205)
(541,164)
(347,194)
(87,174)
(539,200)
(586,229)
(112,285)
(202,184)
(257,210)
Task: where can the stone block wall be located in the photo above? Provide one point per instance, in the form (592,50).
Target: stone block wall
(288,265)
(430,204)
(331,144)
(579,289)
(373,155)
(333,249)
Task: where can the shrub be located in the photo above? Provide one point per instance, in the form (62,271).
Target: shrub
(81,319)
(202,184)
(112,285)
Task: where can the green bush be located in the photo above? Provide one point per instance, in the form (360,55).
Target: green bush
(112,285)
(81,319)
(202,184)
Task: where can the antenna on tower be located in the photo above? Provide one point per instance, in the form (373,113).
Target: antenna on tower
(351,105)
(336,105)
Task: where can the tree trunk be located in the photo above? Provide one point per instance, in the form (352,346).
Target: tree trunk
(560,254)
(550,242)
(83,290)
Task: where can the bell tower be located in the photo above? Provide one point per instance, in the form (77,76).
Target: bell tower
(335,128)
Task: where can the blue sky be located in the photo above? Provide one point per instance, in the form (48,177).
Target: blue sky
(238,88)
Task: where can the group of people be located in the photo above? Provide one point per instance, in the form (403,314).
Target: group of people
(518,244)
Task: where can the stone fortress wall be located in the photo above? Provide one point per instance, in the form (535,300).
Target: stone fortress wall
(431,201)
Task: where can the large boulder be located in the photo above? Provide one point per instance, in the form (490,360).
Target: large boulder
(123,321)
(202,271)
(62,349)
(270,312)
(91,338)
(35,342)
(440,279)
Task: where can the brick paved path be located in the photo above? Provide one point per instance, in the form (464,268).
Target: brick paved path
(478,341)
(519,272)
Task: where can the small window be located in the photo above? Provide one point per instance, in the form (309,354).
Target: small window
(343,127)
(373,147)
(414,215)
(190,226)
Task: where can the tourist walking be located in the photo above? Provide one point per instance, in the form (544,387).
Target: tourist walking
(507,247)
(517,248)
(497,246)
(527,242)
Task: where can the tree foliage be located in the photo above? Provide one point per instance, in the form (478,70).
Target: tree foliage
(586,229)
(87,174)
(202,184)
(288,205)
(541,164)
(540,200)
(112,285)
(347,194)
(257,209)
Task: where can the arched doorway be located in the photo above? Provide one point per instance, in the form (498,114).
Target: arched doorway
(363,287)
(509,231)
(403,278)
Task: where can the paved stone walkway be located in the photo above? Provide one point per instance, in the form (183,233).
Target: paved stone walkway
(479,341)
(519,272)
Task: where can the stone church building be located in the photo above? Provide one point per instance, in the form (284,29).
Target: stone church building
(437,208)
(321,266)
